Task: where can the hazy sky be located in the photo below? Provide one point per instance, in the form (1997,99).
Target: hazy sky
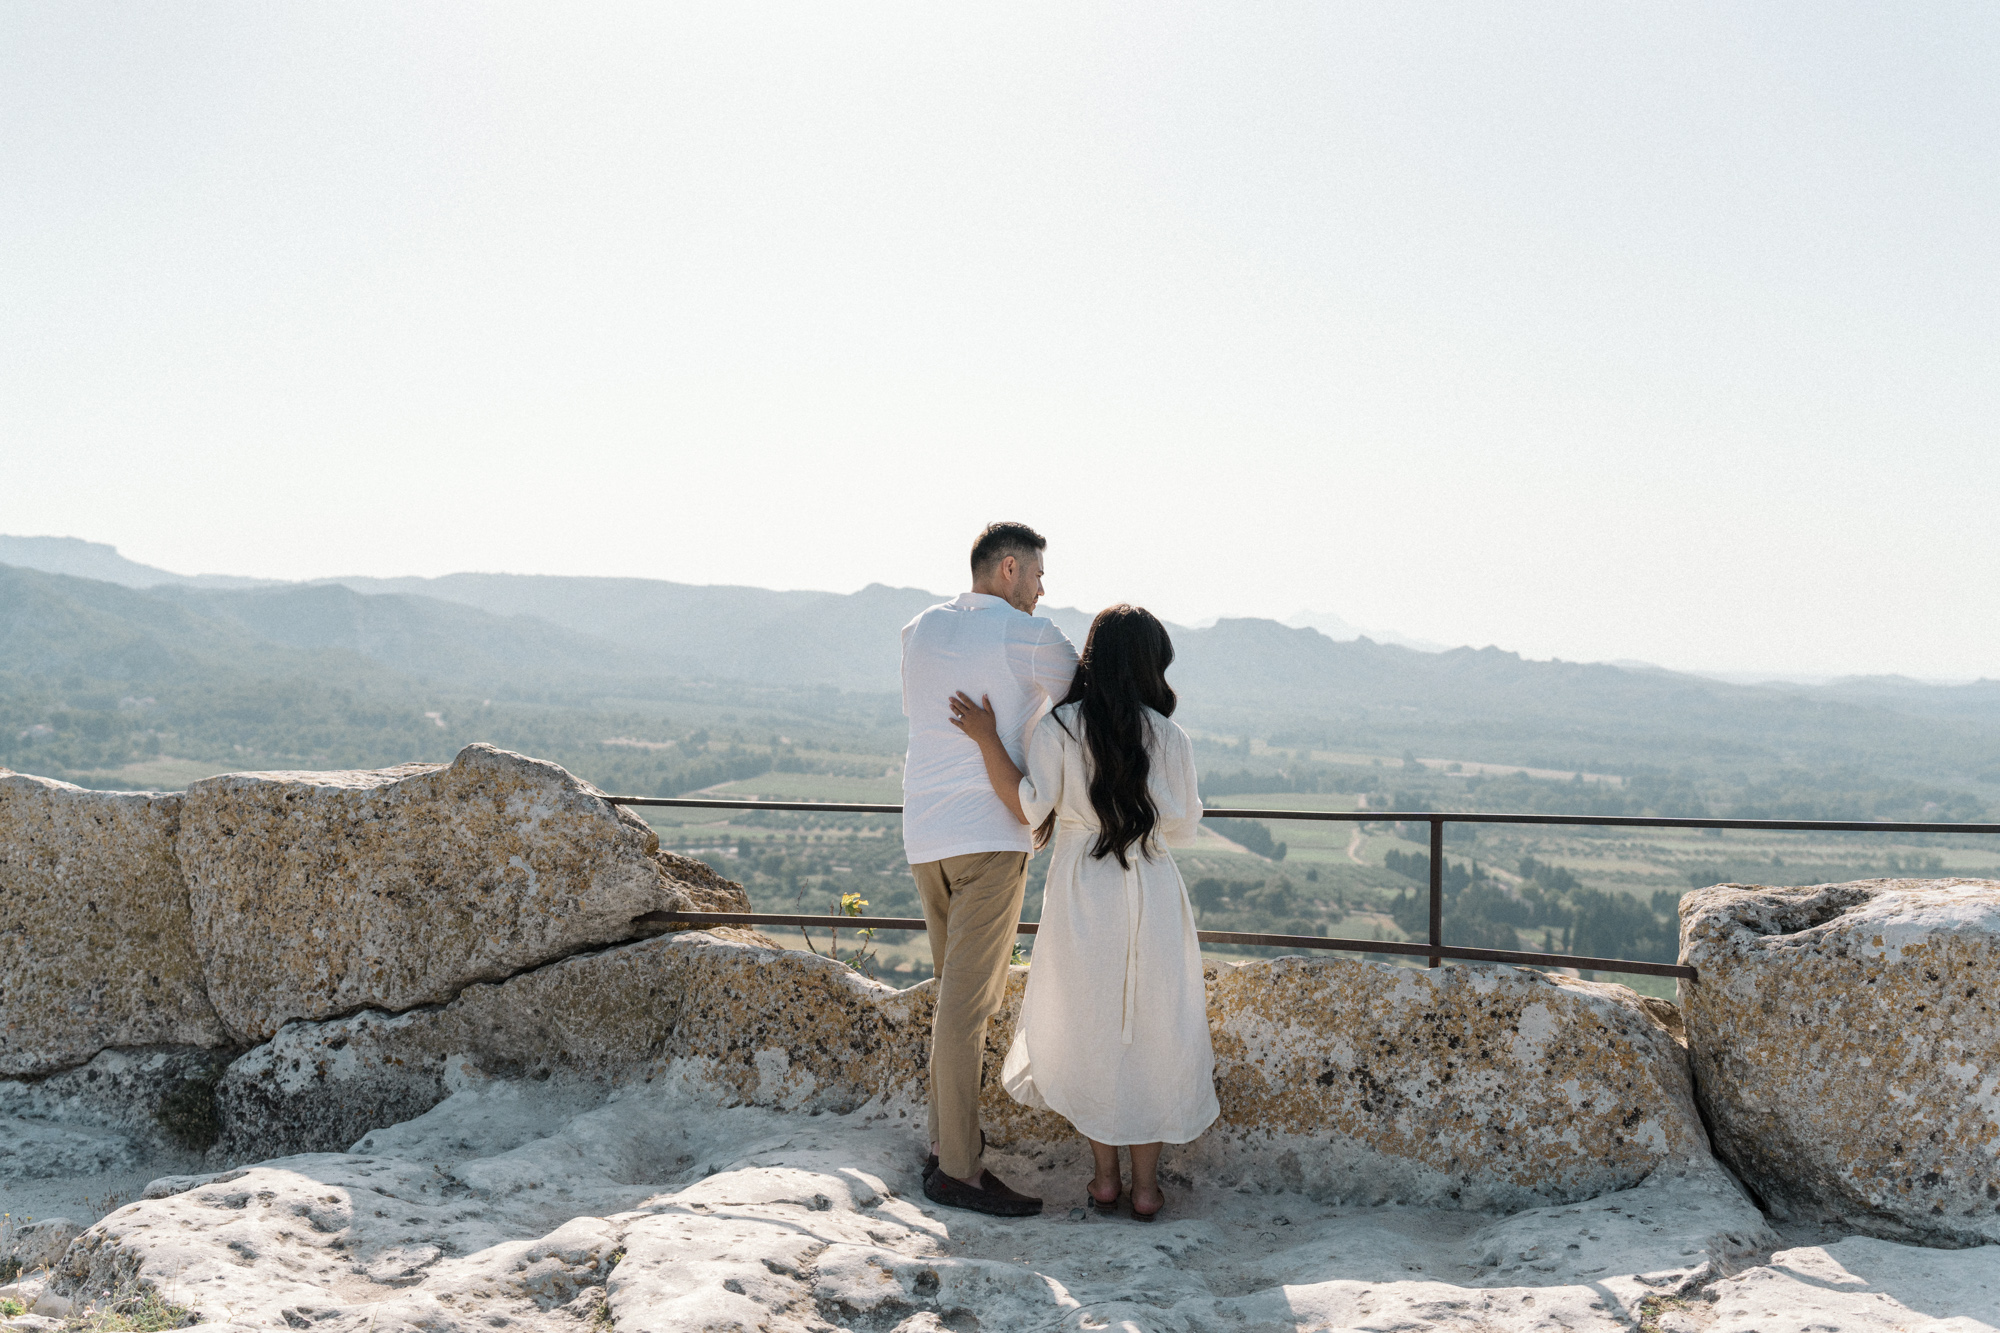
(1594,331)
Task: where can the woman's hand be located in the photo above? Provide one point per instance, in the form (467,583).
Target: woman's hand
(976,719)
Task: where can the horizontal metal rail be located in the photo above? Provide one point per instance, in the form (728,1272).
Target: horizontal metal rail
(1452,951)
(1603,821)
(1390,817)
(1435,950)
(703,803)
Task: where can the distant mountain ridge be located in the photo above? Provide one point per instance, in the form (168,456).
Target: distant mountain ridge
(101,561)
(846,640)
(552,635)
(420,636)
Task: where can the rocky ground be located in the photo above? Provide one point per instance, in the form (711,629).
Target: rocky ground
(657,1208)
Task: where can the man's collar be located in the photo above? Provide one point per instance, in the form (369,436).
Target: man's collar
(981,600)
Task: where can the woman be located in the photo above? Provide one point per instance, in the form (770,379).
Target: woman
(1113,1033)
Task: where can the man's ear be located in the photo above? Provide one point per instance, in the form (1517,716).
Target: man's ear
(1006,571)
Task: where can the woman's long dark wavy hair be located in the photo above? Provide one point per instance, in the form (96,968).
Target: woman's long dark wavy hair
(1123,673)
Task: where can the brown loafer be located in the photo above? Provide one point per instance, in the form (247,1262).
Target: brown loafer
(991,1196)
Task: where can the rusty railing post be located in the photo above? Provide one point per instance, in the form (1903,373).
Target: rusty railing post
(1437,889)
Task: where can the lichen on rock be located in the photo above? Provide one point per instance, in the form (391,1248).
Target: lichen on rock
(97,943)
(1846,1045)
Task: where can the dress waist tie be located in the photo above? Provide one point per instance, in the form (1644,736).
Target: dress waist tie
(1132,914)
(1132,901)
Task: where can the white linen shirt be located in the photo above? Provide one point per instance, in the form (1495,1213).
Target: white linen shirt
(977,643)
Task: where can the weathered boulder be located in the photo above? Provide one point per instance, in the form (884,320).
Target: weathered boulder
(96,939)
(744,1010)
(1846,1046)
(40,1243)
(699,887)
(1461,1087)
(1480,1087)
(318,894)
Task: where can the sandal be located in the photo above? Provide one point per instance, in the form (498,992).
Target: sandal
(1138,1216)
(1099,1204)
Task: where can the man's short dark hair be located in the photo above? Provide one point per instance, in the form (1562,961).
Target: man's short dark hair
(1001,540)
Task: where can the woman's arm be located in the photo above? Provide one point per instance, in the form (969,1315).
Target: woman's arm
(977,721)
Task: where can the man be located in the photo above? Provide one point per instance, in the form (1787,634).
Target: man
(968,852)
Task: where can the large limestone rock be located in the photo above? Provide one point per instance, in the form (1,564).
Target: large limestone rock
(1466,1088)
(1481,1087)
(319,894)
(96,940)
(1846,1043)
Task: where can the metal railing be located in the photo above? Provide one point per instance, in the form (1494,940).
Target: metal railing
(1435,951)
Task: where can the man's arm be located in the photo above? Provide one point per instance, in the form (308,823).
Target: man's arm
(903,666)
(1053,663)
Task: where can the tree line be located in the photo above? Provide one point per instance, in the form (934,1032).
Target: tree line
(1550,911)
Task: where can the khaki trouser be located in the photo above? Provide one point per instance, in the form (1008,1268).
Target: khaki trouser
(971,906)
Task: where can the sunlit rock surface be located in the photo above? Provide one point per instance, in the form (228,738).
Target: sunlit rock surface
(1857,1285)
(318,894)
(1846,1042)
(96,941)
(671,1211)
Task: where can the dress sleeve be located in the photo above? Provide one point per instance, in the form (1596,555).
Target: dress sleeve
(1041,785)
(1176,799)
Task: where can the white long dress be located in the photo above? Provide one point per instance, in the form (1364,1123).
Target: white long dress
(1113,1034)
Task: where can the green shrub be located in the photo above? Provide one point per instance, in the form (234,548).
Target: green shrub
(131,1311)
